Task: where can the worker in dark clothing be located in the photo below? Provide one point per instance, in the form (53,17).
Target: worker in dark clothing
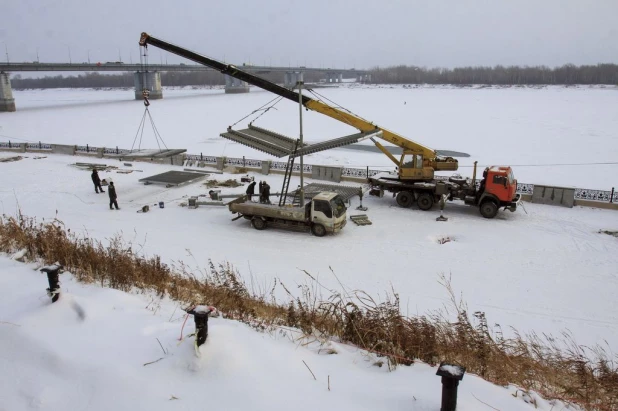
(250,190)
(96,180)
(266,193)
(112,196)
(261,197)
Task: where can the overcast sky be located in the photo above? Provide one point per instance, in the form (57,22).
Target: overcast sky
(324,33)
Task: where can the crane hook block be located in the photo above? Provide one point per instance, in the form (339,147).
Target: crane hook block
(145,94)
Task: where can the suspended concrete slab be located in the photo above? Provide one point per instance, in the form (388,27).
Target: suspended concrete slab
(173,178)
(334,143)
(279,145)
(147,153)
(261,139)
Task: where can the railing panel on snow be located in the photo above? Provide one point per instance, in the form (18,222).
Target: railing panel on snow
(596,195)
(38,146)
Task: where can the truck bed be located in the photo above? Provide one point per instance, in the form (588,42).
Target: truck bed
(249,208)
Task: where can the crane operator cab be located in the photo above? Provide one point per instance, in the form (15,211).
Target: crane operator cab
(412,167)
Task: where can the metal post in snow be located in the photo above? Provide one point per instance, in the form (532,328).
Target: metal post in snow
(611,196)
(54,283)
(200,316)
(451,375)
(300,110)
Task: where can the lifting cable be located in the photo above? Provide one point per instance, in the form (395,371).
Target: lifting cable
(264,110)
(145,94)
(140,129)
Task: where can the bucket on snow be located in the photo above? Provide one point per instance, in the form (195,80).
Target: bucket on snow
(161,205)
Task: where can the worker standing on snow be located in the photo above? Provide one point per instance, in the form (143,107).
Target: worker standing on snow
(96,180)
(250,190)
(266,193)
(261,198)
(112,196)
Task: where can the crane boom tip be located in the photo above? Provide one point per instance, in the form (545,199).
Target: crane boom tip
(143,38)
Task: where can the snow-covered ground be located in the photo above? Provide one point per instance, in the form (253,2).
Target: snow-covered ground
(91,349)
(523,127)
(545,270)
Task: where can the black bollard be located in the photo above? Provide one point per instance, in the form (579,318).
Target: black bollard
(451,375)
(200,316)
(54,283)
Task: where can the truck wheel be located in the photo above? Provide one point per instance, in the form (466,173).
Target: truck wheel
(425,201)
(489,209)
(258,223)
(405,199)
(318,230)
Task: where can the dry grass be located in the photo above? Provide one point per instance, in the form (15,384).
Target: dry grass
(556,368)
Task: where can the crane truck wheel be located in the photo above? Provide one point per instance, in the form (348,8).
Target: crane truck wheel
(425,201)
(258,223)
(405,199)
(489,209)
(318,230)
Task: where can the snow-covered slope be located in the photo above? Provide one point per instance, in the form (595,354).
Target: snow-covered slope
(89,351)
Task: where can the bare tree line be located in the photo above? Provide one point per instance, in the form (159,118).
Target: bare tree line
(512,75)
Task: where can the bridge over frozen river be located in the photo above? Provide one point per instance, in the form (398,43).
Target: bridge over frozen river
(150,77)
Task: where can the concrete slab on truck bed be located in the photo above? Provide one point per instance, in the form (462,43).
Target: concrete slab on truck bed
(346,192)
(267,210)
(173,178)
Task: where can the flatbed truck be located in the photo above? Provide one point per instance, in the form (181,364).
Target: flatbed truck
(325,213)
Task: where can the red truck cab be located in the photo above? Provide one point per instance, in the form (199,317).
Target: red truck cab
(498,189)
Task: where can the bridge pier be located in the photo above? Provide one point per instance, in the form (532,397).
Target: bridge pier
(150,80)
(7,102)
(364,78)
(334,77)
(233,85)
(292,77)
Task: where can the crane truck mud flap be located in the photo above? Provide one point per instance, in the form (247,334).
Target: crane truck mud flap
(512,206)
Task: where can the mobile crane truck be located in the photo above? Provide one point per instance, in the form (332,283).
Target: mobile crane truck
(414,181)
(497,189)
